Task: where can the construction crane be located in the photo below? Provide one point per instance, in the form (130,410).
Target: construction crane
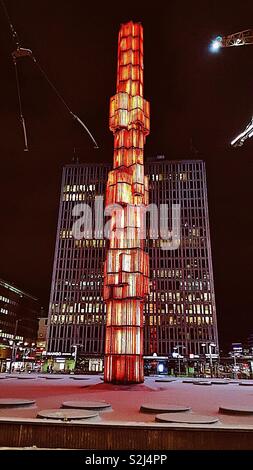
(20,53)
(243,38)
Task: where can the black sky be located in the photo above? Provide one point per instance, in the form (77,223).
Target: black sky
(193,94)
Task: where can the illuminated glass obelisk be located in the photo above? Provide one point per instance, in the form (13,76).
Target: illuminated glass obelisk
(126,274)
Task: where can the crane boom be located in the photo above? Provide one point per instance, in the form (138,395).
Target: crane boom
(243,38)
(246,134)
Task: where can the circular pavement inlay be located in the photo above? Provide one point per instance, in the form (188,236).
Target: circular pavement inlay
(219,382)
(80,378)
(188,418)
(246,384)
(202,383)
(53,378)
(66,415)
(163,408)
(86,405)
(165,380)
(26,378)
(237,410)
(15,402)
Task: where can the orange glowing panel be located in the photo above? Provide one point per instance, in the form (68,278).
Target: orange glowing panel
(126,270)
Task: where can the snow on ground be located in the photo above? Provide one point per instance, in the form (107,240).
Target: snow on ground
(125,400)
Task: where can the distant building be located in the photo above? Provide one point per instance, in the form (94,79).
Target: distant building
(19,314)
(180,312)
(250,343)
(41,344)
(236,348)
(42,333)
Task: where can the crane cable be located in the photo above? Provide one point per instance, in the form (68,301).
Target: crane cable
(21,52)
(17,43)
(22,119)
(74,116)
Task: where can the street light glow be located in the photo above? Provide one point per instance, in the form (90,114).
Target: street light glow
(216,44)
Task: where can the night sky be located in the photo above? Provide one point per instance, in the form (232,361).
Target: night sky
(193,94)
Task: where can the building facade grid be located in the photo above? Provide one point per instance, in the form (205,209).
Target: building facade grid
(180,308)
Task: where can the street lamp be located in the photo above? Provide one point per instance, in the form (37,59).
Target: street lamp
(210,346)
(75,347)
(235,371)
(235,366)
(28,349)
(14,346)
(178,356)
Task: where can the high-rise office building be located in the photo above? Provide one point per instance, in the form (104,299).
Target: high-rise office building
(179,313)
(19,312)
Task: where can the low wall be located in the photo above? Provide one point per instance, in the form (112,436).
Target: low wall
(122,436)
